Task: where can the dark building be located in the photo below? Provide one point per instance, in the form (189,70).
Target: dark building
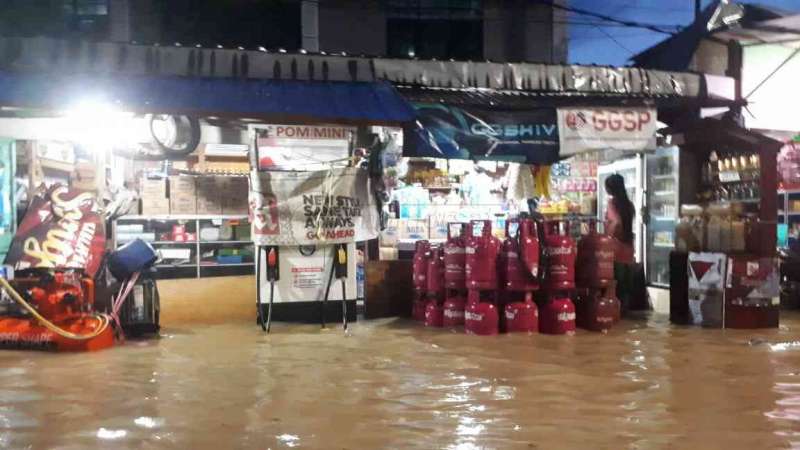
(497,30)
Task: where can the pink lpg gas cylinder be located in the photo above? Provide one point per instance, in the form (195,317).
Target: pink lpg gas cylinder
(418,306)
(435,275)
(561,254)
(433,308)
(455,257)
(422,254)
(521,253)
(522,317)
(558,316)
(481,318)
(481,250)
(595,310)
(595,264)
(453,311)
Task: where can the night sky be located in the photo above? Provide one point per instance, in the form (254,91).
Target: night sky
(613,45)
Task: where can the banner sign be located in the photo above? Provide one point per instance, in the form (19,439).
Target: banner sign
(301,147)
(460,132)
(590,129)
(310,208)
(62,229)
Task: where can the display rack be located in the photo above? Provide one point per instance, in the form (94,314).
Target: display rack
(200,263)
(788,211)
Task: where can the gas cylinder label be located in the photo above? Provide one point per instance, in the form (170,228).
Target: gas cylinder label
(454,250)
(453,314)
(566,317)
(473,316)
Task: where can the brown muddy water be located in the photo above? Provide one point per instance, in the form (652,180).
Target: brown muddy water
(393,384)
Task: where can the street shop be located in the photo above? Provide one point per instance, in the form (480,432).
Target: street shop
(325,184)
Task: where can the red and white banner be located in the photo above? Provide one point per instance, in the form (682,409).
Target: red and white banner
(311,208)
(590,129)
(301,147)
(62,229)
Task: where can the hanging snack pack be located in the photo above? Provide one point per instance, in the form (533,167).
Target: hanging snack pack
(62,229)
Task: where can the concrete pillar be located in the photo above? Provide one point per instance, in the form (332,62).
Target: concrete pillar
(119,21)
(309,25)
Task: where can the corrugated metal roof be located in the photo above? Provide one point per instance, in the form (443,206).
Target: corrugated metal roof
(44,55)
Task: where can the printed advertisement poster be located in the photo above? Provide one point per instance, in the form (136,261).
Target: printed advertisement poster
(62,229)
(311,208)
(460,132)
(706,288)
(301,147)
(589,129)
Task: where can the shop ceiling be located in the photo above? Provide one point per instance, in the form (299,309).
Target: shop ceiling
(44,73)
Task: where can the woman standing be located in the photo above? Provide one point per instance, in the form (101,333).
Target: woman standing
(619,225)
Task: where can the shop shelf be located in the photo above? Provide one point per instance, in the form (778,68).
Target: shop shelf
(185,217)
(663,245)
(210,264)
(439,188)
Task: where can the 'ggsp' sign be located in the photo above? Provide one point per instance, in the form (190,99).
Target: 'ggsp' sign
(610,119)
(590,129)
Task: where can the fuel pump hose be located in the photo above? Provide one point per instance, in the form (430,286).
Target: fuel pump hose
(102,318)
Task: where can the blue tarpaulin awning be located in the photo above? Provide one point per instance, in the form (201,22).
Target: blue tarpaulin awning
(375,102)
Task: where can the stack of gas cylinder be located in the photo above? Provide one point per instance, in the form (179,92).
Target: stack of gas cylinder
(597,306)
(487,286)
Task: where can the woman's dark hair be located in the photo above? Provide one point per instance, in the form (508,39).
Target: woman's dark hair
(615,186)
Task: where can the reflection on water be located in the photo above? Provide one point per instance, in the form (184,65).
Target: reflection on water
(393,384)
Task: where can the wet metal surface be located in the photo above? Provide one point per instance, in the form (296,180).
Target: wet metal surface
(393,384)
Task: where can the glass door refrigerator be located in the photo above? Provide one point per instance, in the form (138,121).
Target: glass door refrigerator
(8,216)
(631,171)
(662,195)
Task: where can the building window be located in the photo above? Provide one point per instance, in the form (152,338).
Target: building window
(435,38)
(441,29)
(86,17)
(435,9)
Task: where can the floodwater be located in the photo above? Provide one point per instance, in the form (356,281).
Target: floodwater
(393,384)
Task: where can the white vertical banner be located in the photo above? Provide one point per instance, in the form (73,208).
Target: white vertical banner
(311,208)
(589,129)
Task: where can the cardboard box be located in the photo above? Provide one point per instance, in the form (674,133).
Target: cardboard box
(154,197)
(209,195)
(388,253)
(235,192)
(389,236)
(413,229)
(182,195)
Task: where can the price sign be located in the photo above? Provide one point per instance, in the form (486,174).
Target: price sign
(729,177)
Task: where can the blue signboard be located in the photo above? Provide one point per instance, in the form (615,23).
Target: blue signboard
(459,132)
